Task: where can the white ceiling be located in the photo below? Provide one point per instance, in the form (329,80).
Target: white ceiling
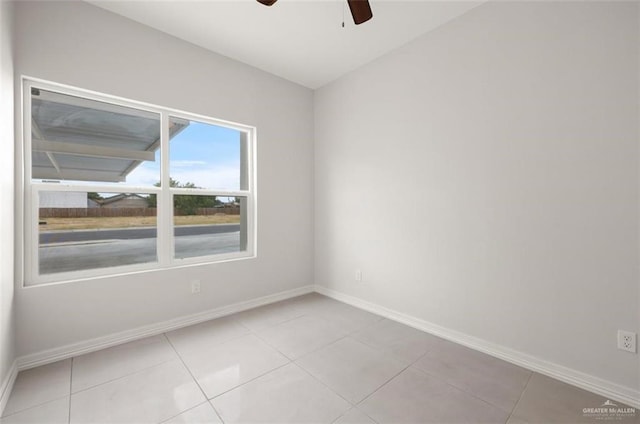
(299,40)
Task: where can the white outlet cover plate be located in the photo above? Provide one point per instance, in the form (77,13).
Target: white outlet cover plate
(195,286)
(627,341)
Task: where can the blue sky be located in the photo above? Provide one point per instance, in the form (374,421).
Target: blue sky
(203,154)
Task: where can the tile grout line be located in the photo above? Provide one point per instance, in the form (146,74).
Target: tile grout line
(366,415)
(377,350)
(194,379)
(382,385)
(390,353)
(124,376)
(4,417)
(519,397)
(371,324)
(270,345)
(390,356)
(256,333)
(192,376)
(269,326)
(228,390)
(290,360)
(411,365)
(186,410)
(303,314)
(432,349)
(323,347)
(346,335)
(346,412)
(250,332)
(215,411)
(324,319)
(220,342)
(279,323)
(465,390)
(473,395)
(249,381)
(325,385)
(239,322)
(352,408)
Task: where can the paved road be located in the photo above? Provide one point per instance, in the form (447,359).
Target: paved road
(132,233)
(108,253)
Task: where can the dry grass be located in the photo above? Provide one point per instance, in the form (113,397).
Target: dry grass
(209,219)
(134,221)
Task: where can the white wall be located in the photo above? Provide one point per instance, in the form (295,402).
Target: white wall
(78,44)
(7,335)
(484,178)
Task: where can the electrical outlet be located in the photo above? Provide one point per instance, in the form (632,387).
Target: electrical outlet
(358,275)
(195,286)
(627,341)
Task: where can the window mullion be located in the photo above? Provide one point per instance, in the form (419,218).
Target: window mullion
(30,245)
(207,192)
(165,209)
(62,186)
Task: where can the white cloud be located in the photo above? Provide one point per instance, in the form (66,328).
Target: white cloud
(143,176)
(199,173)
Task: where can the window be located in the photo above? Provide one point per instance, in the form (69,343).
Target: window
(115,186)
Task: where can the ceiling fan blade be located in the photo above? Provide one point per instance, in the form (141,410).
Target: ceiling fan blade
(267,2)
(360,10)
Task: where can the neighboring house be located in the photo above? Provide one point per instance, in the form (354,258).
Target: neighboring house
(125,200)
(63,199)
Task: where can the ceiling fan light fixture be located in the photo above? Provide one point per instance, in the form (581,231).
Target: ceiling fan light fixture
(267,2)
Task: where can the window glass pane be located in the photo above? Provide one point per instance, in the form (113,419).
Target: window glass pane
(105,154)
(209,225)
(206,156)
(83,230)
(77,139)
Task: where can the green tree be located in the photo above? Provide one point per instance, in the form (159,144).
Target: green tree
(185,204)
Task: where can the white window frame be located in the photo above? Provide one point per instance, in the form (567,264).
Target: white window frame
(165,224)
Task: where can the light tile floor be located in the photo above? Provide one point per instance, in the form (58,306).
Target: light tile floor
(304,360)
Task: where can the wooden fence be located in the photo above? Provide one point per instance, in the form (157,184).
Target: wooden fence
(118,212)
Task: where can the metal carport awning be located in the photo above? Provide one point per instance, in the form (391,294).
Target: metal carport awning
(80,139)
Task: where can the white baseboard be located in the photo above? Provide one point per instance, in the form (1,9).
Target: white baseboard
(7,385)
(92,345)
(584,381)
